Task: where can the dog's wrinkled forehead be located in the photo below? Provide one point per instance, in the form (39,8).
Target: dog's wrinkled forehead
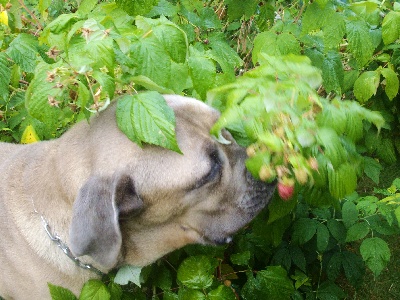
(196,112)
(163,169)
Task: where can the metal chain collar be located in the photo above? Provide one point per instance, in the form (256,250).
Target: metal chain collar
(63,246)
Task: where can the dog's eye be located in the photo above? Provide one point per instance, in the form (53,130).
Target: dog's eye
(215,170)
(216,166)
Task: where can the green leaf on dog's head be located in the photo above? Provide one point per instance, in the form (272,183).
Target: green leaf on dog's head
(146,118)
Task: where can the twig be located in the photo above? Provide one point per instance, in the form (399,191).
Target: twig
(38,25)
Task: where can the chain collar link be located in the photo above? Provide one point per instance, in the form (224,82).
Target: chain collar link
(63,246)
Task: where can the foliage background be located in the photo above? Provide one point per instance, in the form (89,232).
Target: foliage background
(60,61)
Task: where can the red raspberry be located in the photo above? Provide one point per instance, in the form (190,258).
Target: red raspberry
(285,191)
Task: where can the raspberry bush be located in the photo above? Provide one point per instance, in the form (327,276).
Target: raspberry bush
(309,88)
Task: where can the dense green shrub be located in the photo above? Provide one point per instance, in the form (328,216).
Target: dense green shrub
(297,84)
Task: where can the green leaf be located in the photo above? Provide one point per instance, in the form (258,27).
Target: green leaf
(222,292)
(275,231)
(60,293)
(84,96)
(209,19)
(301,279)
(350,77)
(351,263)
(128,274)
(37,96)
(171,296)
(202,71)
(94,290)
(151,59)
(275,44)
(189,294)
(96,50)
(397,214)
(56,8)
(86,6)
(238,9)
(313,18)
(333,149)
(196,272)
(137,7)
(106,82)
(359,40)
(147,118)
(278,209)
(322,237)
(354,267)
(150,85)
(275,283)
(349,214)
(367,205)
(327,19)
(334,29)
(42,5)
(60,24)
(337,229)
(5,76)
(116,291)
(332,72)
(386,151)
(376,254)
(366,85)
(304,230)
(354,126)
(357,231)
(297,257)
(342,181)
(241,259)
(391,27)
(162,278)
(392,82)
(334,118)
(163,8)
(334,266)
(330,291)
(372,168)
(172,38)
(23,50)
(282,257)
(227,58)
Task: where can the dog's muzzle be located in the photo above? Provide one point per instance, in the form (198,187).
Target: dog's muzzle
(258,194)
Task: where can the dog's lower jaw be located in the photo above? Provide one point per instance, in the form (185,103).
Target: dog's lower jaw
(144,251)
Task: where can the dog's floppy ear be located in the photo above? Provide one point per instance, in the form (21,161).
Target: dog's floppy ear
(94,229)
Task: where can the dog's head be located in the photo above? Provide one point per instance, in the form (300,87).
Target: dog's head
(161,200)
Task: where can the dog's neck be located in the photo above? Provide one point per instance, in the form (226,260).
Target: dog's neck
(63,246)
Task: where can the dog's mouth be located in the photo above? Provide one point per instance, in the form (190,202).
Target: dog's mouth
(205,239)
